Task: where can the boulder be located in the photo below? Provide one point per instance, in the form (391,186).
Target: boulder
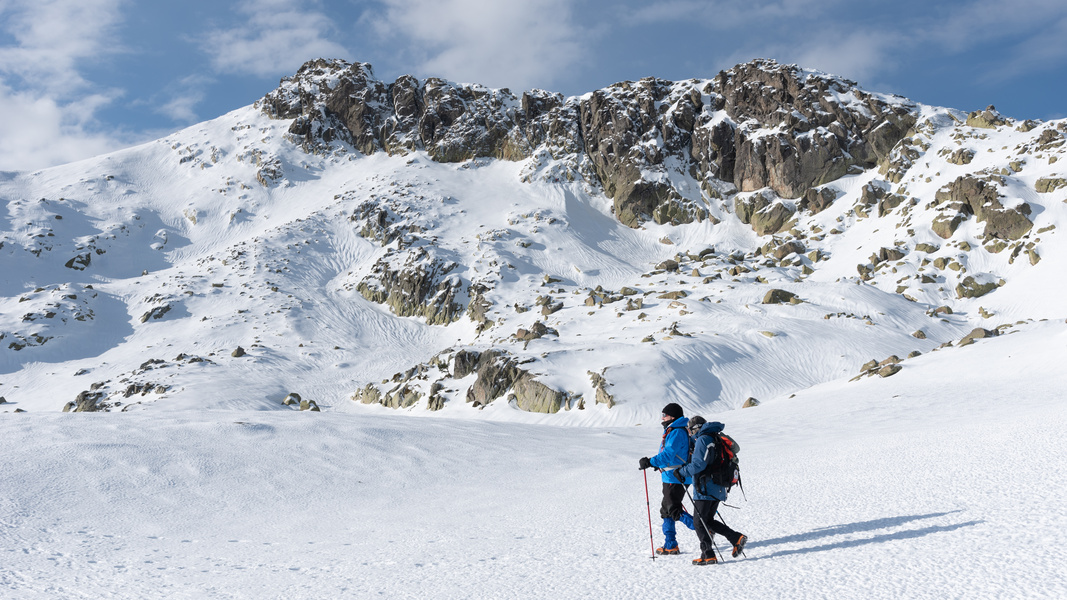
(777,296)
(968,195)
(1047,185)
(155,313)
(890,254)
(668,265)
(816,201)
(976,334)
(971,287)
(369,394)
(985,119)
(600,384)
(889,370)
(750,402)
(497,372)
(80,262)
(772,219)
(788,248)
(291,398)
(533,396)
(86,401)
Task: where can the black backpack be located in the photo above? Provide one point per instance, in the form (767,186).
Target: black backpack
(722,467)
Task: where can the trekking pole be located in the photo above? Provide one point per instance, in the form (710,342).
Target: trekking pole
(711,536)
(648,506)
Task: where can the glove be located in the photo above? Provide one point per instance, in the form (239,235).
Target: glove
(643,463)
(679,476)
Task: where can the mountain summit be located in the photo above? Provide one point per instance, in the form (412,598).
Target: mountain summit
(424,244)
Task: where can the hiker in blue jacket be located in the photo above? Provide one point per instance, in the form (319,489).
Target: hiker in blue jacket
(706,494)
(673,453)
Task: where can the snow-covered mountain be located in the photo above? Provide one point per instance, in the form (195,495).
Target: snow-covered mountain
(883,280)
(433,245)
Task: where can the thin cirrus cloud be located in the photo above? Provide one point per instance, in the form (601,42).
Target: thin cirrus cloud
(277,37)
(182,98)
(502,44)
(48,109)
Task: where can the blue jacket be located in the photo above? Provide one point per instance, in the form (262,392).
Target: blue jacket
(706,490)
(673,450)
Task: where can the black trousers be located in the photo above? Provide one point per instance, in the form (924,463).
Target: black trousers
(705,513)
(672,501)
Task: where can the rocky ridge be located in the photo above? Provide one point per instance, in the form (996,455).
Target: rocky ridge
(753,198)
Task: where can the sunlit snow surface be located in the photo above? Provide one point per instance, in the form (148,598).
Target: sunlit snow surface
(945,480)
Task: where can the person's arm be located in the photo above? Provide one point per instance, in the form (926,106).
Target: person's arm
(675,450)
(698,462)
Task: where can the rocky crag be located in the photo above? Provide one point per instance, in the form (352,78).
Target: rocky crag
(437,245)
(763,143)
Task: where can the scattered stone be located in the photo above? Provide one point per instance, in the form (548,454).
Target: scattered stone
(971,287)
(238,353)
(941,310)
(889,370)
(80,262)
(777,296)
(749,403)
(155,313)
(920,334)
(291,399)
(1047,185)
(977,334)
(669,265)
(986,119)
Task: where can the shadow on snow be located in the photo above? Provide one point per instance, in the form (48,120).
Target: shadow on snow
(852,528)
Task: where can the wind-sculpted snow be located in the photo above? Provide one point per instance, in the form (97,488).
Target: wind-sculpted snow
(942,481)
(425,245)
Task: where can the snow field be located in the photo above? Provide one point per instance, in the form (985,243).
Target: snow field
(942,482)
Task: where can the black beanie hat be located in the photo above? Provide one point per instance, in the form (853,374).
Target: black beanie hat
(673,410)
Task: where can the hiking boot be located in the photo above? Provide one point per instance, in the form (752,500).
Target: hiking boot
(740,545)
(700,562)
(673,550)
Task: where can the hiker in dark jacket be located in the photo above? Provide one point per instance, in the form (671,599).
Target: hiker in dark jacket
(673,453)
(706,494)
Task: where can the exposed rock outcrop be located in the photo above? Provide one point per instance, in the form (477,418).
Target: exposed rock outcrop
(759,125)
(967,196)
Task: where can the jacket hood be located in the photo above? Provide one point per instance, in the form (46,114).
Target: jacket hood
(711,427)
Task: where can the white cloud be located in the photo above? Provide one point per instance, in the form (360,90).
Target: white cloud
(39,132)
(277,37)
(754,15)
(514,44)
(47,108)
(183,95)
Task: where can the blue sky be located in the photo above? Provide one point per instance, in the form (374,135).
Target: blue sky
(82,77)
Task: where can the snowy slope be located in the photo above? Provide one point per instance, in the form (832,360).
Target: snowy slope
(941,482)
(906,441)
(191,255)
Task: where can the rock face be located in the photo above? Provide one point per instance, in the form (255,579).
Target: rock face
(759,125)
(420,286)
(968,196)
